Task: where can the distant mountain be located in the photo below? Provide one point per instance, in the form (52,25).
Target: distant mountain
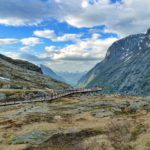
(18,74)
(126,67)
(49,72)
(71,78)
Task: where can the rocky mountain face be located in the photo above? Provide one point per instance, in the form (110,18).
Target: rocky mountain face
(18,74)
(49,72)
(126,67)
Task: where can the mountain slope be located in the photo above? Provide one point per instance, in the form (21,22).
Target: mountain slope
(49,72)
(18,75)
(22,63)
(126,67)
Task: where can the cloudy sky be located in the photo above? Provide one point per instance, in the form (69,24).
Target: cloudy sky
(68,35)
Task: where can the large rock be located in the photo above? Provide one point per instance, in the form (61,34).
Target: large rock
(34,137)
(2,96)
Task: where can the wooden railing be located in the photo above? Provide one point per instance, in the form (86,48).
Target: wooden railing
(55,95)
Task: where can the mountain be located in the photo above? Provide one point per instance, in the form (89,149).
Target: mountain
(71,78)
(18,74)
(126,67)
(21,63)
(49,72)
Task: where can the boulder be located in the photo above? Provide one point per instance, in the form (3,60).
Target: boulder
(2,96)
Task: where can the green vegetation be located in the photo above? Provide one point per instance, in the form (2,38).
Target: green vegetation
(24,75)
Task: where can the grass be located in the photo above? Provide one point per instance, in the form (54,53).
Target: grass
(69,141)
(79,131)
(121,134)
(38,117)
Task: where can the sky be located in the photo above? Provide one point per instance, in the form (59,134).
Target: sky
(68,35)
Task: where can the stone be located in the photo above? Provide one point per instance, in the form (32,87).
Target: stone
(103,113)
(2,96)
(57,117)
(137,105)
(33,137)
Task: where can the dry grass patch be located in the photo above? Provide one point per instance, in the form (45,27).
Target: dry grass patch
(122,133)
(69,141)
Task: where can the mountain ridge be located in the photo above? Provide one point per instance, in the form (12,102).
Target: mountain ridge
(22,63)
(126,67)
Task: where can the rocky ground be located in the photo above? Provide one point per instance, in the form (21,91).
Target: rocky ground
(87,122)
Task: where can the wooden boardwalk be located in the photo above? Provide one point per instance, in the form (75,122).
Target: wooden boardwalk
(53,96)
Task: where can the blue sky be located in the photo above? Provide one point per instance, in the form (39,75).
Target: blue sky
(68,35)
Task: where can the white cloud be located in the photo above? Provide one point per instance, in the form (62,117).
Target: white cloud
(129,16)
(16,12)
(26,42)
(124,18)
(18,21)
(51,49)
(89,49)
(68,37)
(29,42)
(12,54)
(50,34)
(84,3)
(5,41)
(25,48)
